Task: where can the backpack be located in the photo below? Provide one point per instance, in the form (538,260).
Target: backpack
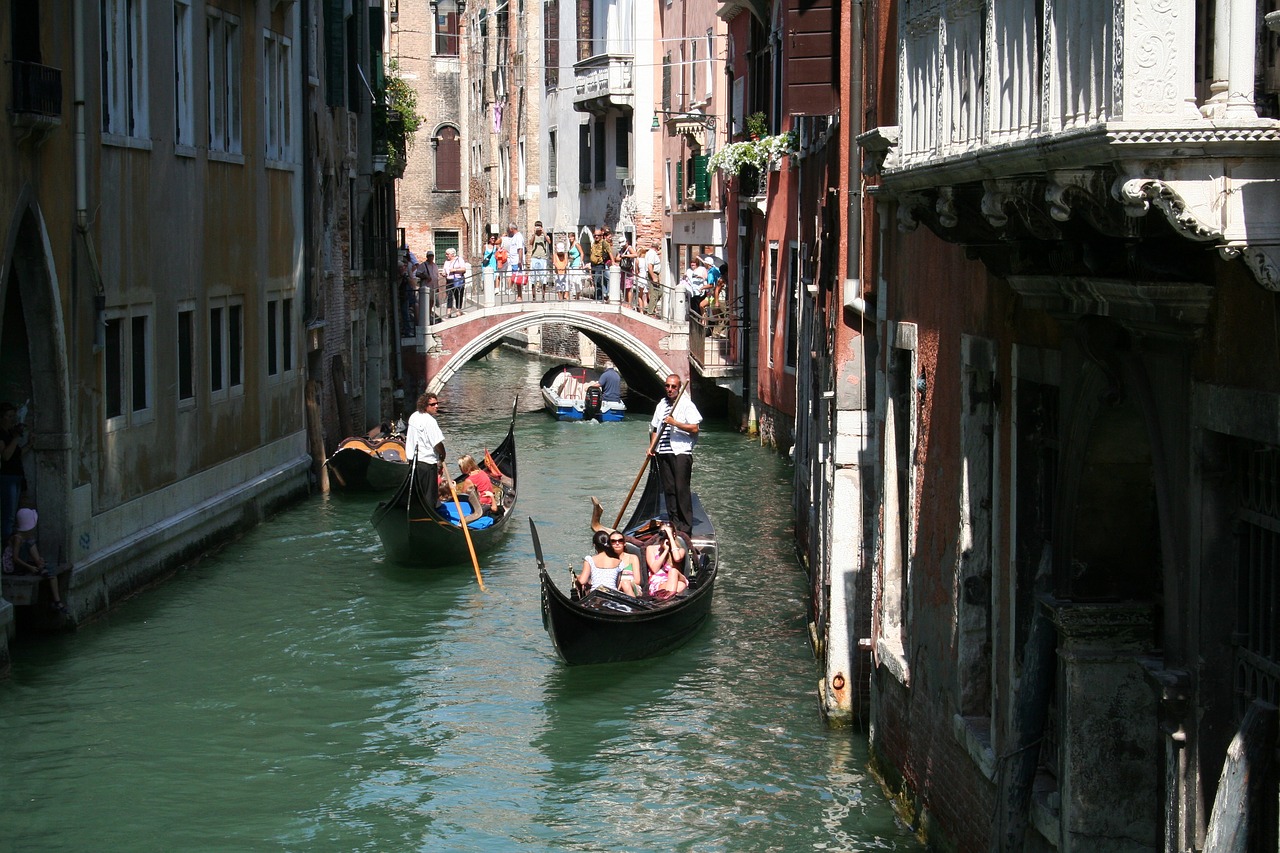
(501,257)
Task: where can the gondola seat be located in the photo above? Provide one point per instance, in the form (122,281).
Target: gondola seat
(450,512)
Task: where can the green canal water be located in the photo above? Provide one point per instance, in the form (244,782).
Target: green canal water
(293,691)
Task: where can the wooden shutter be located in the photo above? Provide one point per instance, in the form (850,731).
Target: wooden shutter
(812,57)
(448,161)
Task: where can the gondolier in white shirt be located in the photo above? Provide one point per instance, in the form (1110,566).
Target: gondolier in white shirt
(424,446)
(676,421)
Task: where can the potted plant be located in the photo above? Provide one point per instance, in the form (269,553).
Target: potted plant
(757,125)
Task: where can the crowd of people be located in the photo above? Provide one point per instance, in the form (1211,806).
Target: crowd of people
(551,266)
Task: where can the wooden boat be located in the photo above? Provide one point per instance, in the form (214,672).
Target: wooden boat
(368,464)
(608,626)
(567,395)
(414,533)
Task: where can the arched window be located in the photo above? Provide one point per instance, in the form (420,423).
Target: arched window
(448,160)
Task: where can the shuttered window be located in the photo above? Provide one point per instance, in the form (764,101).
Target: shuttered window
(448,161)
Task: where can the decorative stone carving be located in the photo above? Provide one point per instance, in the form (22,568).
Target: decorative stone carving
(1138,194)
(946,208)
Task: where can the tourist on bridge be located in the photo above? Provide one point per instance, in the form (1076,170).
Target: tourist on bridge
(560,269)
(430,288)
(652,278)
(575,264)
(539,261)
(677,428)
(513,243)
(602,257)
(627,263)
(695,285)
(455,276)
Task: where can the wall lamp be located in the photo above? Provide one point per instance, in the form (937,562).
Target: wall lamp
(702,120)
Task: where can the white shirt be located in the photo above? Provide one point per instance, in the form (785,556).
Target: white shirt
(422,436)
(686,413)
(651,261)
(514,244)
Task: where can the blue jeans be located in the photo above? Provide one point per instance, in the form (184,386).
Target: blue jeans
(10,491)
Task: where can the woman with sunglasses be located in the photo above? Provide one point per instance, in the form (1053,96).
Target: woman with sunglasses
(663,557)
(610,566)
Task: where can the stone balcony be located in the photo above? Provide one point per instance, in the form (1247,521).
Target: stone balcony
(1043,113)
(604,83)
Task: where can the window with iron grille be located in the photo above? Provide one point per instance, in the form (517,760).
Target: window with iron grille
(551,42)
(1257,635)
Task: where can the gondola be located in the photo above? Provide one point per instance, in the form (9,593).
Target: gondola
(414,533)
(368,464)
(608,626)
(570,393)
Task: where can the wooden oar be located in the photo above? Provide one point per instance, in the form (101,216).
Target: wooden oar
(466,532)
(657,436)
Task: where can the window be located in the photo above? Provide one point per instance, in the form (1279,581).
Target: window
(279,336)
(446,28)
(666,186)
(226,347)
(448,160)
(711,62)
(693,69)
(445,240)
(771,303)
(551,43)
(186,355)
(277,89)
(791,342)
(598,144)
(224,61)
(622,146)
(124,64)
(183,69)
(553,171)
(584,155)
(666,81)
(126,366)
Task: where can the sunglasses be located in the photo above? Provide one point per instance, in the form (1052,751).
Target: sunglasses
(433,403)
(617,541)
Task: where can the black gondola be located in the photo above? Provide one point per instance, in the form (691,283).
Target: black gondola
(420,532)
(608,626)
(368,464)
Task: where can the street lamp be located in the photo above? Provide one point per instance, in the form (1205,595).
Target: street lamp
(702,120)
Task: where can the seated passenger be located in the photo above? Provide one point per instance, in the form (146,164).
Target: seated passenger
(480,480)
(610,566)
(663,557)
(464,490)
(21,556)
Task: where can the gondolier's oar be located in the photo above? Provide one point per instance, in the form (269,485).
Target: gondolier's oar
(466,532)
(657,436)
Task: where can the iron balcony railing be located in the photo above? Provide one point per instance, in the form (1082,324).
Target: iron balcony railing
(37,90)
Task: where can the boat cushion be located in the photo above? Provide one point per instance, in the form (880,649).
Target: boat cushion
(450,512)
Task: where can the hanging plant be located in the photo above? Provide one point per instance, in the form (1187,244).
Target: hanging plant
(765,153)
(757,125)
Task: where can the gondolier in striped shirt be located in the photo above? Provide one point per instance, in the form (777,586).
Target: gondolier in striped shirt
(424,446)
(676,421)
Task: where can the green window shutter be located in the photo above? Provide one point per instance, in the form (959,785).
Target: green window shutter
(335,53)
(701,178)
(679,188)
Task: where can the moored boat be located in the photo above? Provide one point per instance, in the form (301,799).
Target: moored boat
(426,532)
(608,626)
(368,464)
(572,393)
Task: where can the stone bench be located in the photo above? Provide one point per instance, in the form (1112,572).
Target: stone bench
(22,590)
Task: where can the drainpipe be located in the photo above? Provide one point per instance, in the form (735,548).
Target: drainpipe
(81,177)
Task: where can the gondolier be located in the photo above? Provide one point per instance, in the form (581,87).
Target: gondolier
(676,421)
(424,444)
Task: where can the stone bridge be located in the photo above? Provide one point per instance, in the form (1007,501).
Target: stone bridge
(645,348)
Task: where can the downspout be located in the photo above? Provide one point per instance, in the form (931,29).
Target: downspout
(81,176)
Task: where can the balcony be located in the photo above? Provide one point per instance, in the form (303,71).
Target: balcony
(604,83)
(1018,127)
(36,97)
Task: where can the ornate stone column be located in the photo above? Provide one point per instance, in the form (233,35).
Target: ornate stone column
(1109,742)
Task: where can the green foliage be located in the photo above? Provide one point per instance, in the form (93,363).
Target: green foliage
(401,98)
(757,124)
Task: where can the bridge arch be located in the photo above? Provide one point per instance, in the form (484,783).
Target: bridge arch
(594,326)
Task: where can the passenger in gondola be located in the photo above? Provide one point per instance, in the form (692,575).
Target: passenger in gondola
(481,481)
(467,495)
(664,557)
(610,566)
